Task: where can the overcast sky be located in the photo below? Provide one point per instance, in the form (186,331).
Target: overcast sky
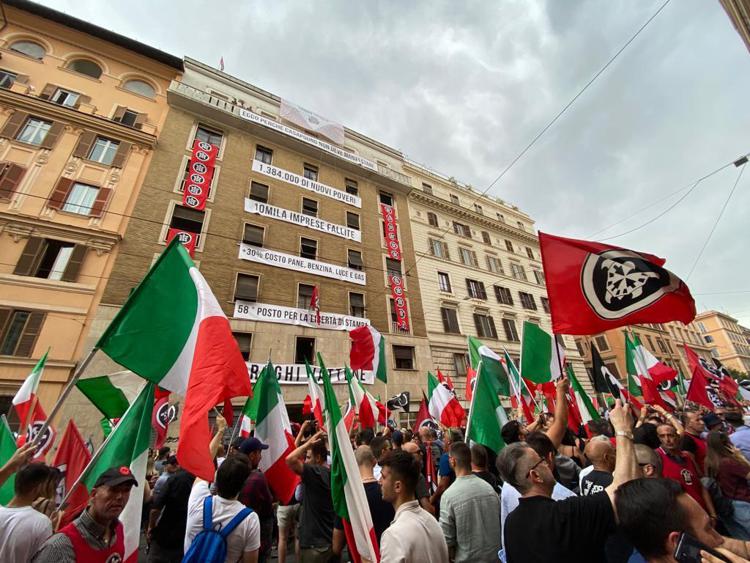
(464,86)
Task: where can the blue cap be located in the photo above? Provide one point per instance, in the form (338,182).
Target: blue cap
(250,445)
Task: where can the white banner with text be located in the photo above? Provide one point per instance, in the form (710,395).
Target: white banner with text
(264,312)
(297,218)
(296,374)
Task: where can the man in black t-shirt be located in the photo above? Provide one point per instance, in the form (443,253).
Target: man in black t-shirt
(168,518)
(601,454)
(575,529)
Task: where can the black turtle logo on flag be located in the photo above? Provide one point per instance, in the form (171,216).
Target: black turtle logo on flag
(617,283)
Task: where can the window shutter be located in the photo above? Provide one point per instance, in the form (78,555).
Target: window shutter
(83,148)
(47,91)
(74,264)
(60,193)
(121,155)
(10,176)
(14,123)
(30,333)
(478,325)
(119,113)
(446,323)
(4,317)
(492,326)
(29,260)
(53,134)
(101,200)
(446,254)
(140,121)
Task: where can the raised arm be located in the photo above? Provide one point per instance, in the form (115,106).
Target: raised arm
(221,426)
(21,457)
(296,459)
(557,430)
(626,465)
(671,419)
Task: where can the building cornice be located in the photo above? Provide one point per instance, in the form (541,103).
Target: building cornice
(20,227)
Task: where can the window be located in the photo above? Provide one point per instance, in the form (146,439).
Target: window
(427,188)
(103,150)
(259,192)
(468,257)
(352,220)
(386,198)
(244,341)
(304,295)
(354,259)
(439,248)
(485,325)
(476,289)
(34,131)
(404,357)
(529,253)
(50,259)
(478,208)
(432,219)
(19,331)
(579,347)
(351,187)
(517,271)
(127,117)
(444,282)
(503,295)
(80,199)
(86,67)
(494,265)
(486,237)
(450,320)
(508,245)
(454,199)
(612,367)
(253,234)
(263,154)
(509,326)
(246,287)
(660,343)
(650,343)
(208,136)
(308,248)
(309,207)
(186,219)
(140,87)
(602,343)
(64,98)
(501,217)
(539,276)
(520,225)
(7,79)
(28,48)
(459,364)
(527,301)
(708,338)
(702,327)
(357,305)
(461,229)
(393,267)
(304,350)
(310,172)
(545,304)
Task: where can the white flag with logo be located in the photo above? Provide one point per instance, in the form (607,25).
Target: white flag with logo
(312,121)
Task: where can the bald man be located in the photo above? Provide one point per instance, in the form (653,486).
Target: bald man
(601,454)
(422,493)
(649,461)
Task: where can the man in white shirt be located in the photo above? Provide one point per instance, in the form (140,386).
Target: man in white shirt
(414,535)
(23,525)
(244,541)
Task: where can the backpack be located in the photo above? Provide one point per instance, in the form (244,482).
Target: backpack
(210,545)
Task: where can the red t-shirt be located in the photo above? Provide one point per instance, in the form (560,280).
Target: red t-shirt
(732,479)
(682,469)
(696,446)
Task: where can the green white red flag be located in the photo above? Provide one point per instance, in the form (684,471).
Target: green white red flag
(637,364)
(347,490)
(442,404)
(369,410)
(521,395)
(172,332)
(314,401)
(541,356)
(492,363)
(7,449)
(582,400)
(368,351)
(26,397)
(273,428)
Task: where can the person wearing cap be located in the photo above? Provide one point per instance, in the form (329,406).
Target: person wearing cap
(165,532)
(741,435)
(256,494)
(97,534)
(170,468)
(714,423)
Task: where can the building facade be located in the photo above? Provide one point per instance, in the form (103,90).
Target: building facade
(739,13)
(480,272)
(287,212)
(726,338)
(81,109)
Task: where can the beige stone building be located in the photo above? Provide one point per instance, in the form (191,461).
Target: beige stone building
(739,14)
(726,338)
(81,109)
(480,271)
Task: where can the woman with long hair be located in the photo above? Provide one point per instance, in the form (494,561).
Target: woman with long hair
(726,464)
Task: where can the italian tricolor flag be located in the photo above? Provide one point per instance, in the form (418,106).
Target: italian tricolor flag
(540,361)
(642,366)
(492,365)
(172,332)
(274,429)
(521,396)
(347,490)
(127,447)
(26,395)
(486,414)
(246,422)
(368,409)
(368,351)
(314,396)
(583,402)
(442,404)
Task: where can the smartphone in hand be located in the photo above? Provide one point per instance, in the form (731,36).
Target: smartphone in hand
(688,550)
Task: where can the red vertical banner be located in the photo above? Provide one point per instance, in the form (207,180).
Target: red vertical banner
(391,232)
(199,175)
(187,239)
(399,302)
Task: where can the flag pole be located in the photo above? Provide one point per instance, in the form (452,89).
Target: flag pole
(65,392)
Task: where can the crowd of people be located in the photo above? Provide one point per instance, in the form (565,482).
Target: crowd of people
(632,486)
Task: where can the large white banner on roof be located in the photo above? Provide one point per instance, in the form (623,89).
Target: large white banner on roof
(312,121)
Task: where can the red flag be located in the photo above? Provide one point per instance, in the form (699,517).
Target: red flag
(315,304)
(699,382)
(71,459)
(574,414)
(228,411)
(447,380)
(423,415)
(471,376)
(595,287)
(36,421)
